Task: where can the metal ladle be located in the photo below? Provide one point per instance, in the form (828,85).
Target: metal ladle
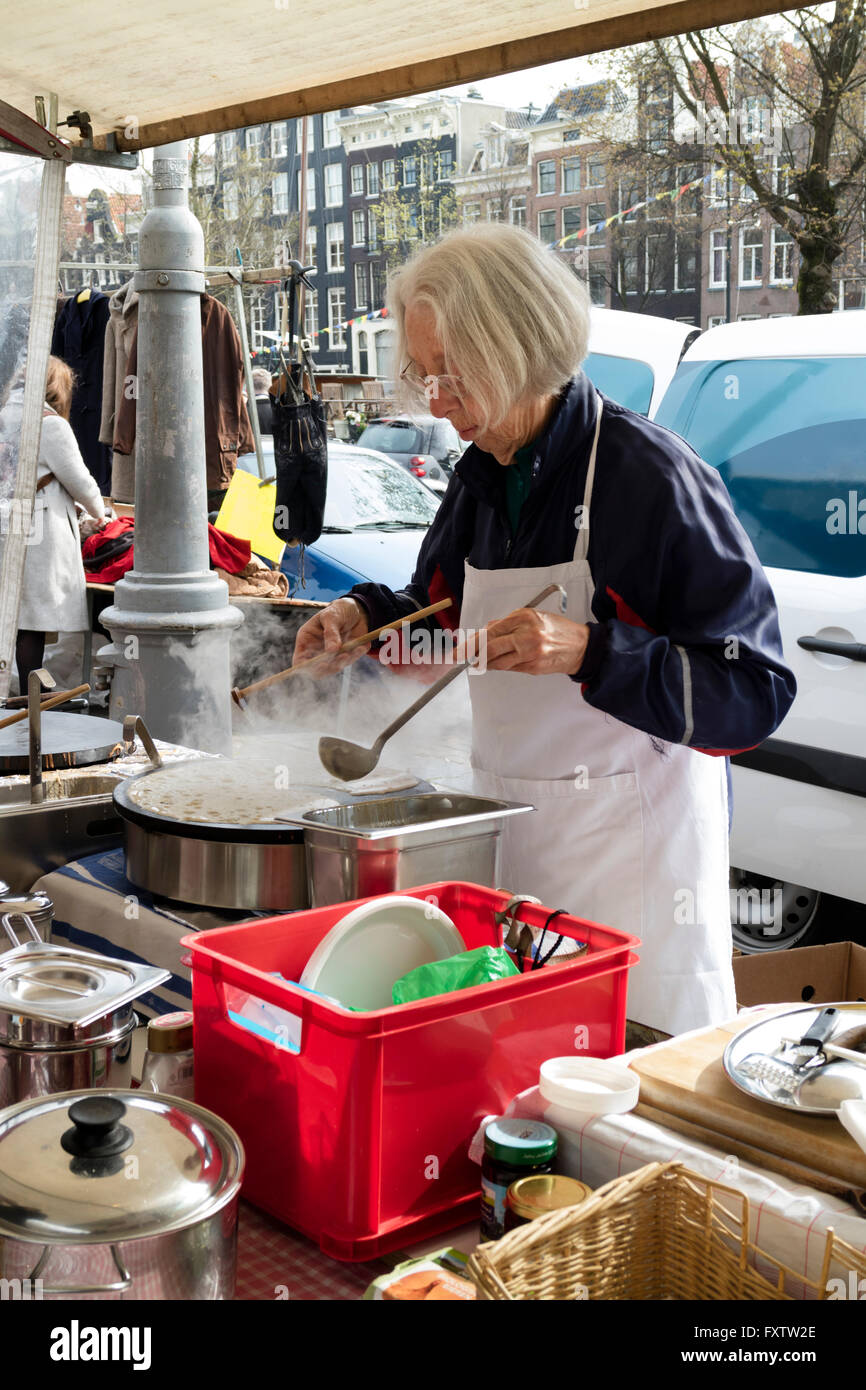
(350,761)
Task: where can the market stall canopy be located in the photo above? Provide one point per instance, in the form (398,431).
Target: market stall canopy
(165,71)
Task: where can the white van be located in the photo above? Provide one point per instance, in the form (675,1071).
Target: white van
(632,357)
(779,407)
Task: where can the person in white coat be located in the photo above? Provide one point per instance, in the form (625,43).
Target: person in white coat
(614,713)
(54,592)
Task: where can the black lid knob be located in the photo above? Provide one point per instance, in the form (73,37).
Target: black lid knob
(97,1131)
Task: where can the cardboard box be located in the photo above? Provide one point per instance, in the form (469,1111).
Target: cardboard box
(808,975)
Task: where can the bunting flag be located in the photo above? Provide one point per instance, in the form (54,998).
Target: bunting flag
(672,194)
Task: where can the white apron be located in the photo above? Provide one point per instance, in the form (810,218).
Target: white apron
(629,831)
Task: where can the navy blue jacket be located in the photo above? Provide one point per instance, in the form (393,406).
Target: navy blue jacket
(685,641)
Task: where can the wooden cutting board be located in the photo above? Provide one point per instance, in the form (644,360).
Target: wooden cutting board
(685,1078)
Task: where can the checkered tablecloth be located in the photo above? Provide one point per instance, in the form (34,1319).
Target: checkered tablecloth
(275,1262)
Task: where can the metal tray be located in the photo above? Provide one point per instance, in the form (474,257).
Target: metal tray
(62,985)
(767,1037)
(408,815)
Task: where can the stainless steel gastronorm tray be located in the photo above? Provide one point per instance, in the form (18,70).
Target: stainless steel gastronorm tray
(62,985)
(767,1037)
(402,815)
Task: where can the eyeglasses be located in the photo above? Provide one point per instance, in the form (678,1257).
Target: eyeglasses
(431,385)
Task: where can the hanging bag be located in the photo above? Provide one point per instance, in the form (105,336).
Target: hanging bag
(301,458)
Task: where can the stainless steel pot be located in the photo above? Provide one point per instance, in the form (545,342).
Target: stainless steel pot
(120,1194)
(37,907)
(66,1018)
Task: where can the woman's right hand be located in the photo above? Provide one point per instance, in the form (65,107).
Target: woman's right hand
(328,630)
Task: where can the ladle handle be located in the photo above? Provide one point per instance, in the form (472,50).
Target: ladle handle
(443,681)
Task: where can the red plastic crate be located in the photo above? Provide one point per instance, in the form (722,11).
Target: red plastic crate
(360,1139)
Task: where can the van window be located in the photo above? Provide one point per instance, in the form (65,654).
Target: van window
(787,437)
(622,378)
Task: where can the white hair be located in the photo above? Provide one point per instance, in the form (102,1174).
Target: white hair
(511,316)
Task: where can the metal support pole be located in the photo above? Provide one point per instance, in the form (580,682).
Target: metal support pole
(171,622)
(252,408)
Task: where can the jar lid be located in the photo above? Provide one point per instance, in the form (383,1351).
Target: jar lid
(520,1142)
(93,1167)
(542,1193)
(170,1032)
(589,1085)
(36,905)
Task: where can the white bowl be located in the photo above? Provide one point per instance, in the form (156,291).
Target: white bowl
(376,944)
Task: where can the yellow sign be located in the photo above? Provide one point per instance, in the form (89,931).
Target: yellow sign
(248,512)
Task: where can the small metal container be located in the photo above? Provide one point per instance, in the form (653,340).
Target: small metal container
(395,842)
(118,1194)
(66,1017)
(38,907)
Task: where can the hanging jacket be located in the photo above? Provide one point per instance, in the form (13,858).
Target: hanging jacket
(79,339)
(685,642)
(119,337)
(227,429)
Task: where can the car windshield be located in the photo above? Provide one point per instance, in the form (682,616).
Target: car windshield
(363,490)
(395,437)
(622,378)
(786,434)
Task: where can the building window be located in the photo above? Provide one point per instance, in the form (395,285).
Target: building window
(336,315)
(783,256)
(311,190)
(546,176)
(571,176)
(747,318)
(628,196)
(547,226)
(253,142)
(627,268)
(358,229)
(257,324)
(714,320)
(389,229)
(427,170)
(471,213)
(357,178)
(330,129)
(410,171)
(389,173)
(279,140)
(518,212)
(333,185)
(685,263)
(312,246)
(656,185)
(781,175)
(571,219)
(718,260)
(687,204)
(360,286)
(373,230)
(280,194)
(311,312)
(230,201)
(228,146)
(751,255)
(595,212)
(311,131)
(597,286)
(377,270)
(595,172)
(446,164)
(719,186)
(372,180)
(655,264)
(334,239)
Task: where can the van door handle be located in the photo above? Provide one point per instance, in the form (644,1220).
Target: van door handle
(855,651)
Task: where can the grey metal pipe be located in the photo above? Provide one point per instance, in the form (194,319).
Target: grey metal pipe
(171,621)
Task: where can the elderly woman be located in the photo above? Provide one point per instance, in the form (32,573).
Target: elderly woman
(613,718)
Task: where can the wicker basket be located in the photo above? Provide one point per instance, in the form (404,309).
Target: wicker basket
(662,1232)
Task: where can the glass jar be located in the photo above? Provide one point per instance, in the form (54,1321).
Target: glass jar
(512,1149)
(539,1195)
(168,1061)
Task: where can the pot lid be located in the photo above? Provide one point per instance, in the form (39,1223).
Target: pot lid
(62,985)
(87,1167)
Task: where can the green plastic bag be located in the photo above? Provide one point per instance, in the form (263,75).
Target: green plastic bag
(470,968)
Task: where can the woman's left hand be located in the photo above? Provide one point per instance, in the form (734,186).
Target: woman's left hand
(537,644)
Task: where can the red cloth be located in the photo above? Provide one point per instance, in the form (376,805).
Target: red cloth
(227,552)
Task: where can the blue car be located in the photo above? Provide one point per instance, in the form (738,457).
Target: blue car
(376,515)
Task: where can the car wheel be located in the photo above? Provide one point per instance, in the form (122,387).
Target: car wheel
(771,915)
